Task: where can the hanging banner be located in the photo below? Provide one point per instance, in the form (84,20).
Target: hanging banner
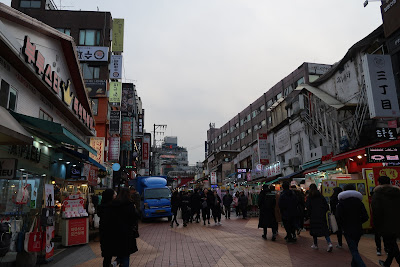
(115,94)
(113,149)
(86,170)
(380,86)
(116,67)
(115,121)
(126,134)
(118,35)
(263,148)
(392,172)
(98,144)
(140,124)
(213,177)
(92,53)
(146,153)
(92,179)
(127,100)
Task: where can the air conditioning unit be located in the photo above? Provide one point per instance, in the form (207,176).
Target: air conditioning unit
(294,162)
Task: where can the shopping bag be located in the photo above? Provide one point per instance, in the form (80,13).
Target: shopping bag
(333,223)
(33,238)
(96,221)
(91,208)
(23,193)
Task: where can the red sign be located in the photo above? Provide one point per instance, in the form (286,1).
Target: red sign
(327,157)
(392,124)
(113,149)
(392,172)
(145,151)
(77,231)
(92,179)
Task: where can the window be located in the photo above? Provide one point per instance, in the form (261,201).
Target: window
(95,106)
(44,115)
(90,72)
(89,37)
(66,31)
(300,81)
(278,96)
(241,122)
(262,107)
(269,103)
(263,123)
(269,120)
(248,117)
(288,90)
(8,96)
(254,113)
(242,135)
(30,3)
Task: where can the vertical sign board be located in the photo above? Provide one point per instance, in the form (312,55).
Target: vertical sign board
(380,86)
(146,153)
(8,168)
(115,94)
(213,176)
(49,203)
(98,144)
(115,117)
(116,67)
(263,148)
(127,99)
(118,35)
(113,149)
(126,134)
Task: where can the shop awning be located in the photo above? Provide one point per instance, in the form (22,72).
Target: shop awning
(290,175)
(52,131)
(273,181)
(328,99)
(327,166)
(311,164)
(11,132)
(83,157)
(361,151)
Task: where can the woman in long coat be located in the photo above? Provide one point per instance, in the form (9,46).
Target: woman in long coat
(267,205)
(106,199)
(120,221)
(175,204)
(317,207)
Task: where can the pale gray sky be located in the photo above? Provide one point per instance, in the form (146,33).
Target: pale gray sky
(201,61)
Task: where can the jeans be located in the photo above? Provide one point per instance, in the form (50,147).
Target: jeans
(327,238)
(390,241)
(352,243)
(123,261)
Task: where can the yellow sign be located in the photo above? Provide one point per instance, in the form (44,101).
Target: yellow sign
(118,35)
(115,93)
(369,176)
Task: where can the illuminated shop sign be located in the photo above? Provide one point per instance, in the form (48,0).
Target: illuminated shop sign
(54,82)
(386,134)
(387,154)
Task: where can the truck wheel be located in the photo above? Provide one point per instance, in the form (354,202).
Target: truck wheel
(169,218)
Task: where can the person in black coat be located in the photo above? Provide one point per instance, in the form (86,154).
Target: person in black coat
(317,207)
(267,205)
(301,206)
(185,206)
(205,208)
(334,200)
(196,204)
(175,204)
(216,210)
(227,200)
(350,215)
(119,230)
(106,199)
(243,201)
(288,205)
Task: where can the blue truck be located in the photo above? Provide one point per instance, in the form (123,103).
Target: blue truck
(155,196)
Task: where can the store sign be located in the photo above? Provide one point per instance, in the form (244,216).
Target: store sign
(115,121)
(92,178)
(282,141)
(75,172)
(380,86)
(98,144)
(115,94)
(92,53)
(242,170)
(96,88)
(140,124)
(54,82)
(118,35)
(77,229)
(392,172)
(390,10)
(8,168)
(213,176)
(386,134)
(146,153)
(128,98)
(263,148)
(116,67)
(392,124)
(385,154)
(113,149)
(327,157)
(126,134)
(28,152)
(273,169)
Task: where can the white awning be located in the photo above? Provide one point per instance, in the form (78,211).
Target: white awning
(328,99)
(11,132)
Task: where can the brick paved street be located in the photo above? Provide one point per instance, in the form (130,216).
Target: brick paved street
(236,242)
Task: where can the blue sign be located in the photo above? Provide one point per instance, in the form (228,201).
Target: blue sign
(116,167)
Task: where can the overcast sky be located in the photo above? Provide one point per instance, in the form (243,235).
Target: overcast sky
(201,61)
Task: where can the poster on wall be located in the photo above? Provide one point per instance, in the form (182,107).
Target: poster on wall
(98,144)
(282,141)
(96,88)
(49,198)
(392,172)
(369,176)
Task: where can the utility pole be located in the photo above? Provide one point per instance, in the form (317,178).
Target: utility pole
(161,128)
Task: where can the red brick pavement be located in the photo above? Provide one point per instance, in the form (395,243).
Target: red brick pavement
(237,242)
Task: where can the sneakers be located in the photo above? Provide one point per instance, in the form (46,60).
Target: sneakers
(339,246)
(378,253)
(219,223)
(314,246)
(330,247)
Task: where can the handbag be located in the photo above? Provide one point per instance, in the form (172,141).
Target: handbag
(333,223)
(33,238)
(23,193)
(96,220)
(91,208)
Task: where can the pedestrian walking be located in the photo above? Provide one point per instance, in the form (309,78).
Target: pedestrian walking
(136,199)
(119,228)
(288,206)
(205,208)
(217,209)
(267,205)
(227,200)
(185,207)
(350,215)
(386,217)
(317,207)
(301,205)
(105,242)
(333,202)
(175,205)
(196,205)
(236,203)
(243,201)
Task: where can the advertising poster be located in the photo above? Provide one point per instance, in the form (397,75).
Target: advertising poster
(127,100)
(98,144)
(77,233)
(369,176)
(126,134)
(49,191)
(116,67)
(118,35)
(391,172)
(115,94)
(92,179)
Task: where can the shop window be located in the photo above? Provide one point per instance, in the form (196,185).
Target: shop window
(44,115)
(65,31)
(8,96)
(30,3)
(89,37)
(90,72)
